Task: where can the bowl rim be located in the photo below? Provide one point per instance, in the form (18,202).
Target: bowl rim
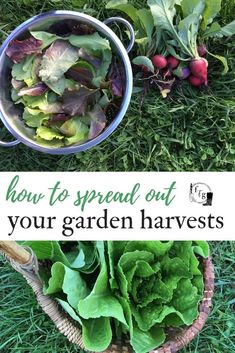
(103,28)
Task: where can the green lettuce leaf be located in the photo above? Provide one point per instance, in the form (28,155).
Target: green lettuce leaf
(69,310)
(42,104)
(158,248)
(74,130)
(87,260)
(58,58)
(34,117)
(144,342)
(48,134)
(55,143)
(45,37)
(14,96)
(185,301)
(69,281)
(93,42)
(22,71)
(47,250)
(97,334)
(201,248)
(101,302)
(97,46)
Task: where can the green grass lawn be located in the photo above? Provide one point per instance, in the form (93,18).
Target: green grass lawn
(24,328)
(192,130)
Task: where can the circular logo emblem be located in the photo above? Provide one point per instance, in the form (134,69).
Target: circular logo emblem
(199,192)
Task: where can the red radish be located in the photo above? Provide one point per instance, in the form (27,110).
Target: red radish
(202,50)
(199,69)
(159,61)
(172,62)
(195,81)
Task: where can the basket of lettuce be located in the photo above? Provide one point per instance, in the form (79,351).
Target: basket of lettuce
(135,296)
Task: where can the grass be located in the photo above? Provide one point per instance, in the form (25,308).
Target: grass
(192,130)
(25,329)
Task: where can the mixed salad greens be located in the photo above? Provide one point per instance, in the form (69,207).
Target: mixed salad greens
(66,80)
(132,290)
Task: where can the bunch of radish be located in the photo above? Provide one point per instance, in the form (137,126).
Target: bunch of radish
(194,71)
(168,39)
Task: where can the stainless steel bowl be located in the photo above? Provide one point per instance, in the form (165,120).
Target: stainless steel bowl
(10,114)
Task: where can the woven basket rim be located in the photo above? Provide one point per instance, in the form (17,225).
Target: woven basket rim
(69,327)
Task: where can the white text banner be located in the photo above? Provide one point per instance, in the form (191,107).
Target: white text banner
(134,206)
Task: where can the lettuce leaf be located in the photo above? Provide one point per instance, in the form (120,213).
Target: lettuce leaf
(69,281)
(82,72)
(143,342)
(97,334)
(101,302)
(42,104)
(45,38)
(97,123)
(47,250)
(16,84)
(75,102)
(58,58)
(93,48)
(23,71)
(19,49)
(87,259)
(69,310)
(97,46)
(91,42)
(57,118)
(34,117)
(36,90)
(48,134)
(117,77)
(85,55)
(14,96)
(74,130)
(55,143)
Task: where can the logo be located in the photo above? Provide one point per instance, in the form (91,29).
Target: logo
(201,193)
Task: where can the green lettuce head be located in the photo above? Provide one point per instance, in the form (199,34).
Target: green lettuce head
(131,290)
(159,284)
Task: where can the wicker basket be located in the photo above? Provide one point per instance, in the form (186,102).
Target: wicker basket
(24,261)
